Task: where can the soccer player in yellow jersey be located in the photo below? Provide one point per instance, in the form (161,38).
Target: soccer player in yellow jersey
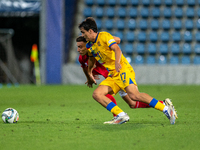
(102,47)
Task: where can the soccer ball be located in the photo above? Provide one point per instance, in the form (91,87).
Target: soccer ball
(10,115)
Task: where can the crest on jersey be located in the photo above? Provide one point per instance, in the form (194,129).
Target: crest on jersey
(99,44)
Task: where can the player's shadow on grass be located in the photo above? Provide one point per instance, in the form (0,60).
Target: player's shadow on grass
(114,127)
(35,122)
(129,125)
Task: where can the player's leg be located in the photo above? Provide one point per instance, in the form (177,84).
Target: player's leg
(112,99)
(134,94)
(131,103)
(99,95)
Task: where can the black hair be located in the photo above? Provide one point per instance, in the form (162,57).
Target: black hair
(81,39)
(89,23)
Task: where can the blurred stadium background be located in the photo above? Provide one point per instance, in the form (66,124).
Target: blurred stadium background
(160,38)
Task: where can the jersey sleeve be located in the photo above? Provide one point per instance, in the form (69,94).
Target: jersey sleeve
(88,45)
(109,39)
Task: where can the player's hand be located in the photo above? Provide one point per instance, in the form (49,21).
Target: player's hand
(91,81)
(117,66)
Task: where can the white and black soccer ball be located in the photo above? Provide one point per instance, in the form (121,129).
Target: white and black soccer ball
(10,115)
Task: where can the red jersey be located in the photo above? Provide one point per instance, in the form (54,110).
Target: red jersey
(98,70)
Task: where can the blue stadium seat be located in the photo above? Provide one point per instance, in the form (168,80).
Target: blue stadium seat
(130,37)
(134,2)
(176,36)
(139,60)
(146,2)
(187,50)
(142,24)
(163,49)
(189,12)
(185,60)
(120,46)
(89,2)
(100,2)
(178,12)
(150,60)
(179,2)
(167,12)
(188,36)
(131,24)
(189,24)
(154,24)
(151,48)
(108,24)
(132,12)
(198,24)
(110,12)
(175,49)
(141,37)
(196,60)
(165,24)
(119,34)
(111,2)
(123,2)
(197,49)
(153,36)
(121,12)
(98,12)
(177,24)
(190,2)
(144,12)
(87,12)
(174,60)
(197,36)
(128,48)
(140,48)
(129,59)
(198,12)
(164,36)
(162,60)
(168,2)
(155,12)
(99,23)
(157,2)
(120,24)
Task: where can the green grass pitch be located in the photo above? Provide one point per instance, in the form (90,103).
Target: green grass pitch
(65,117)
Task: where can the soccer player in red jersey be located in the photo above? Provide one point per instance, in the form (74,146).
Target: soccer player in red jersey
(101,70)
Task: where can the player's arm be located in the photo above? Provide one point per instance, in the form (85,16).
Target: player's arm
(91,65)
(118,54)
(117,39)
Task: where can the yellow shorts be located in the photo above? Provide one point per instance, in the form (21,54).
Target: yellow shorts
(120,80)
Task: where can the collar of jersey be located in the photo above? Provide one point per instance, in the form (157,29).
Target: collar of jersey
(96,37)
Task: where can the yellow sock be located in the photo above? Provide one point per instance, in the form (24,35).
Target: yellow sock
(116,110)
(156,104)
(112,107)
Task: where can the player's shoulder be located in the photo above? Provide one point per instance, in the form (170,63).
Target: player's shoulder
(88,45)
(83,59)
(104,33)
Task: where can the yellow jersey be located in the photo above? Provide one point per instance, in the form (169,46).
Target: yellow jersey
(100,49)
